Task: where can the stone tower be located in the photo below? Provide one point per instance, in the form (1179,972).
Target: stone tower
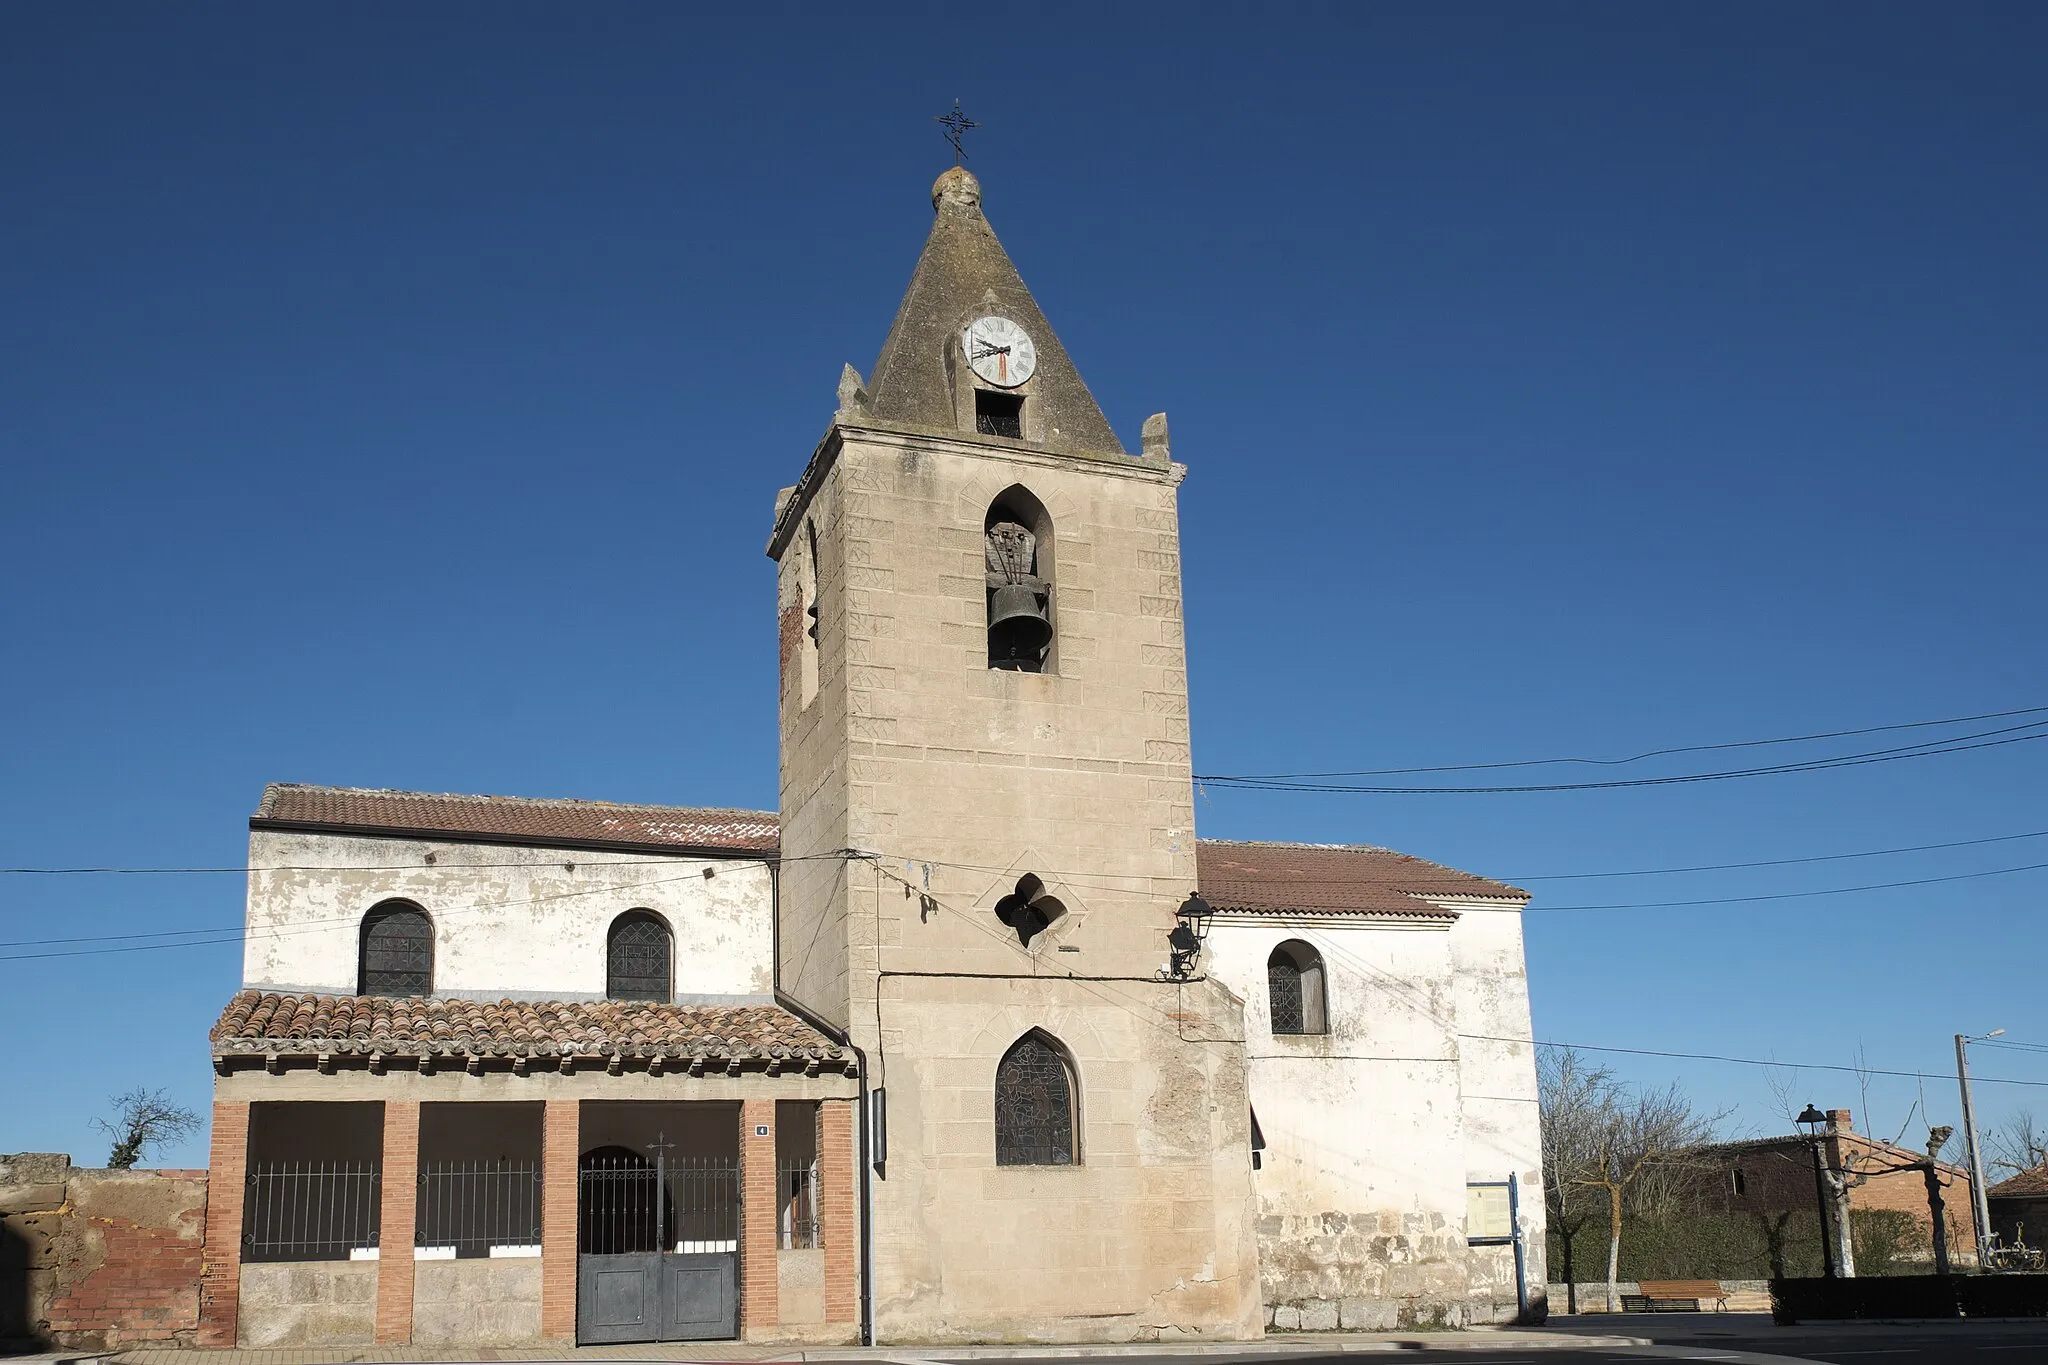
(988,825)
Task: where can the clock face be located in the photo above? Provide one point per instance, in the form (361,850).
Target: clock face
(999,351)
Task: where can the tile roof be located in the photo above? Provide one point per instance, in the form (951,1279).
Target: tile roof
(259,1023)
(2025,1184)
(1333,879)
(518,818)
(1316,879)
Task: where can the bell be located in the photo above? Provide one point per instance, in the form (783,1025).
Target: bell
(1017,629)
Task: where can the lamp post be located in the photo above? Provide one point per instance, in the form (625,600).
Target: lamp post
(1980,1206)
(1812,1122)
(1190,931)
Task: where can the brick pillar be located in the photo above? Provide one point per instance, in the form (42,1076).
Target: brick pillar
(561,1138)
(401,1184)
(838,1167)
(760,1293)
(220,1278)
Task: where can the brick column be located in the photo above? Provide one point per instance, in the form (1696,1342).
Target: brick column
(838,1167)
(561,1136)
(760,1291)
(220,1277)
(401,1182)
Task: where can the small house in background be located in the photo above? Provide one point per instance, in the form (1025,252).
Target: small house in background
(2019,1208)
(1773,1177)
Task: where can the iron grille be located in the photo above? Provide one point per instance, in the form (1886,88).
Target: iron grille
(1283,986)
(469,1207)
(310,1211)
(798,1182)
(637,959)
(626,1206)
(398,952)
(1034,1107)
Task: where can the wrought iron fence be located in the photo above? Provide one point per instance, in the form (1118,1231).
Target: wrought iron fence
(310,1211)
(469,1208)
(797,1194)
(626,1205)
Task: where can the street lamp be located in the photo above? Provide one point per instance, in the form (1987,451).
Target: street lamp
(1813,1123)
(1190,931)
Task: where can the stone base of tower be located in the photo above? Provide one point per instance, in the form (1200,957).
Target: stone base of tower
(1147,1236)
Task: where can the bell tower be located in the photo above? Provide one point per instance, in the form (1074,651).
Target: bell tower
(988,825)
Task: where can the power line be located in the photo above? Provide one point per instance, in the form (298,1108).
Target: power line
(1750,1061)
(1775,862)
(1930,749)
(1794,895)
(1656,753)
(371,867)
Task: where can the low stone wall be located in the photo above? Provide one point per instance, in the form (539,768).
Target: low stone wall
(98,1259)
(308,1303)
(476,1302)
(800,1286)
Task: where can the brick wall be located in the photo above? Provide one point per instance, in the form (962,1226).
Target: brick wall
(102,1260)
(401,1189)
(760,1294)
(220,1286)
(837,1210)
(561,1133)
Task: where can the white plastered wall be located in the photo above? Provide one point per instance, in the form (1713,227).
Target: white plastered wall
(1368,1148)
(508,921)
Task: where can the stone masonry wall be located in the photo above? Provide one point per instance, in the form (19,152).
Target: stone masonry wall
(98,1259)
(308,1304)
(476,1302)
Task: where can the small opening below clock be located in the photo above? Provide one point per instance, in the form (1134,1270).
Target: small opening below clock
(999,414)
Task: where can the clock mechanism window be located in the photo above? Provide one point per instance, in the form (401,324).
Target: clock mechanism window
(999,414)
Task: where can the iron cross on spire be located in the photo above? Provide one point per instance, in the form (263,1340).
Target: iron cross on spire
(955,124)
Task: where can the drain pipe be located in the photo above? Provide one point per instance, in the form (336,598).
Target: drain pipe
(867,1165)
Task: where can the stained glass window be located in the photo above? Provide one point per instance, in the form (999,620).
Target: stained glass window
(1034,1106)
(1294,989)
(638,956)
(398,951)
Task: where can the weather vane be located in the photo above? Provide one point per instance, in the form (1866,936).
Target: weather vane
(955,124)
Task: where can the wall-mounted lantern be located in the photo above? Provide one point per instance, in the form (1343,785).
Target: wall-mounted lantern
(1190,931)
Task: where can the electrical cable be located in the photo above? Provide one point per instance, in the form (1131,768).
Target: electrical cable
(1660,753)
(1930,749)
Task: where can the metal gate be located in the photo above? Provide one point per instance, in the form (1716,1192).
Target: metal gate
(657,1245)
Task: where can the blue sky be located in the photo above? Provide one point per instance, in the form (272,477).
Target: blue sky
(397,396)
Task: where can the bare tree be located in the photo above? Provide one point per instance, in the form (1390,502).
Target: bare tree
(144,1119)
(1575,1104)
(2018,1144)
(1640,1133)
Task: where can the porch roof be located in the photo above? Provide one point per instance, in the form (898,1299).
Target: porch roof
(260,1024)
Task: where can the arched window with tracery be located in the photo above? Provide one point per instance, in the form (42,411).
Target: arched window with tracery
(1035,1104)
(397,951)
(1294,989)
(639,958)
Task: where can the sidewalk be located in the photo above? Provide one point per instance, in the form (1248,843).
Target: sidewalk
(1279,1344)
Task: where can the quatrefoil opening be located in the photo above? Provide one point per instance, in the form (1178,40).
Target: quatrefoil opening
(1029,910)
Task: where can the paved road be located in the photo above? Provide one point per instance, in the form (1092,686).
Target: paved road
(1752,1342)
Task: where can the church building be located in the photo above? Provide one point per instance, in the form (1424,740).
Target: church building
(972,1040)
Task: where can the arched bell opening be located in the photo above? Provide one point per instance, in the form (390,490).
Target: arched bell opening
(1018,538)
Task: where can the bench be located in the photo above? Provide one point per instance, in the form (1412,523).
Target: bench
(1674,1296)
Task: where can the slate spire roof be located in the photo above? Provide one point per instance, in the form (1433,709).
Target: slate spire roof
(963,274)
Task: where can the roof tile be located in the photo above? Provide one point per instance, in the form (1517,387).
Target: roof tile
(262,1022)
(1332,879)
(520,817)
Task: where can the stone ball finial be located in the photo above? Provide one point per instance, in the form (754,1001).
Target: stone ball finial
(958,188)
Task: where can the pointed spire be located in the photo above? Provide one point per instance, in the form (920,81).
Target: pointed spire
(963,274)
